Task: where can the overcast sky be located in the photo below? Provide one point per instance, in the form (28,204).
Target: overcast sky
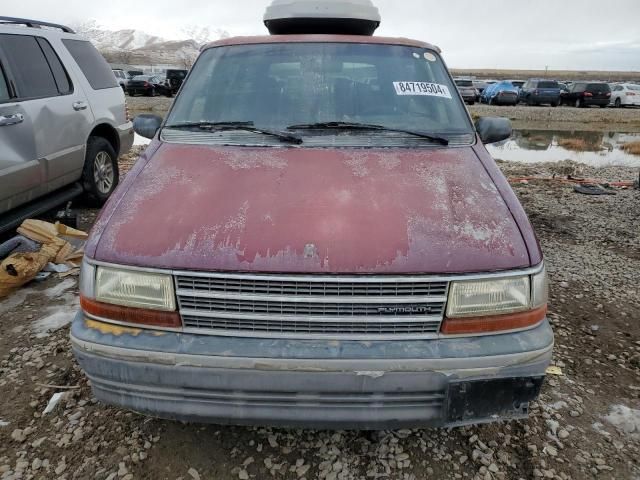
(560,34)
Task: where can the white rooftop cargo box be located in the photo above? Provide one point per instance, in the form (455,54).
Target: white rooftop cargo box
(342,17)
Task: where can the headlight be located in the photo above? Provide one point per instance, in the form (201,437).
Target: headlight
(496,304)
(136,289)
(489,297)
(539,289)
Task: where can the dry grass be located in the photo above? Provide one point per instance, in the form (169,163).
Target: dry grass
(574,144)
(632,147)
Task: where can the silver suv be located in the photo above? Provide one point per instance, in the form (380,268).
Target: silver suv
(63,119)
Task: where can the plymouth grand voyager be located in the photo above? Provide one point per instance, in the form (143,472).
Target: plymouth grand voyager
(316,236)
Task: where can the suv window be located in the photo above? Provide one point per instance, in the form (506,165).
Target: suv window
(93,65)
(4,91)
(284,84)
(548,84)
(598,87)
(464,83)
(28,66)
(60,75)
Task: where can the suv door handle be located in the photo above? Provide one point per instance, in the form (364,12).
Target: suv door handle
(79,106)
(11,119)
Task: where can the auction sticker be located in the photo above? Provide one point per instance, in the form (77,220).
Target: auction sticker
(422,88)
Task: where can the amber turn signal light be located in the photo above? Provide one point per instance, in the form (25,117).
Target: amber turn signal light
(138,316)
(493,323)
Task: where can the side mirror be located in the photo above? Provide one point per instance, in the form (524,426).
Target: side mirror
(147,125)
(493,129)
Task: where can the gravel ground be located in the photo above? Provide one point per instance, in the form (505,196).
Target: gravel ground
(585,425)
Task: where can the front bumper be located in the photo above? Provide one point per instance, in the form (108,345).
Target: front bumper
(320,384)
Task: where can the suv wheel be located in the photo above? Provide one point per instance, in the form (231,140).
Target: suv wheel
(579,103)
(100,174)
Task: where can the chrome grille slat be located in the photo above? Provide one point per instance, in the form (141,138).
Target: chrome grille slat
(311,306)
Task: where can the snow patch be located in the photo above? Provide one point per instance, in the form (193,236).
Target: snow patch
(14,300)
(3,423)
(625,419)
(57,317)
(60,288)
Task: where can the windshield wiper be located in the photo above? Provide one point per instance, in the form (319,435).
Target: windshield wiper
(366,126)
(244,126)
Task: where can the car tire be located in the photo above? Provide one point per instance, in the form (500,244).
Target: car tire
(555,104)
(618,103)
(100,175)
(579,103)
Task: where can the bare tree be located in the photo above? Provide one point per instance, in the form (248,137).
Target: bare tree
(186,59)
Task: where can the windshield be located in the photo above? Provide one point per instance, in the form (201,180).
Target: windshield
(276,86)
(548,84)
(598,87)
(464,83)
(141,77)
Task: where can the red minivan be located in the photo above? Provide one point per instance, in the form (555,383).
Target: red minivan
(316,236)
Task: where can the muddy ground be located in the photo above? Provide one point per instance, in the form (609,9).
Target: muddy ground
(586,423)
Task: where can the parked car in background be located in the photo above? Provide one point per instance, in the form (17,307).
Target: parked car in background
(564,87)
(122,77)
(63,120)
(479,85)
(274,258)
(467,90)
(149,85)
(517,83)
(500,93)
(539,91)
(175,79)
(586,94)
(625,94)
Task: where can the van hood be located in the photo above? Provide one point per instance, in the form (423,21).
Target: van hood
(207,208)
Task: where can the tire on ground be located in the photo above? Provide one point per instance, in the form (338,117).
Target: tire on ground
(97,191)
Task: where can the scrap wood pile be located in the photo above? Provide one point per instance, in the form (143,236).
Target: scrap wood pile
(39,246)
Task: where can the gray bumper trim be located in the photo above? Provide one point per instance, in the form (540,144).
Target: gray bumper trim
(461,367)
(314,393)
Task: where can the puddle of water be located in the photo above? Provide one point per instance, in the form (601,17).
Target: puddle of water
(597,149)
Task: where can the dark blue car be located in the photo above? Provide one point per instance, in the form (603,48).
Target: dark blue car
(539,91)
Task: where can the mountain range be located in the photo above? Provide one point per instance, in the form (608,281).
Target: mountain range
(135,47)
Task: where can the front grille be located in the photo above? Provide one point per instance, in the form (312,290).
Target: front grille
(304,306)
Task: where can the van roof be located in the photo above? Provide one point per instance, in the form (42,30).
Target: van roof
(319,39)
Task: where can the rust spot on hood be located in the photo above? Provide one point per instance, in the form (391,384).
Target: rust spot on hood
(432,210)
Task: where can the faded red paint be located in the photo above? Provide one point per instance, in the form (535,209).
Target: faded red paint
(364,210)
(255,40)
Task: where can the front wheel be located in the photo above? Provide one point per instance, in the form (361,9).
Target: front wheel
(100,175)
(579,103)
(618,103)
